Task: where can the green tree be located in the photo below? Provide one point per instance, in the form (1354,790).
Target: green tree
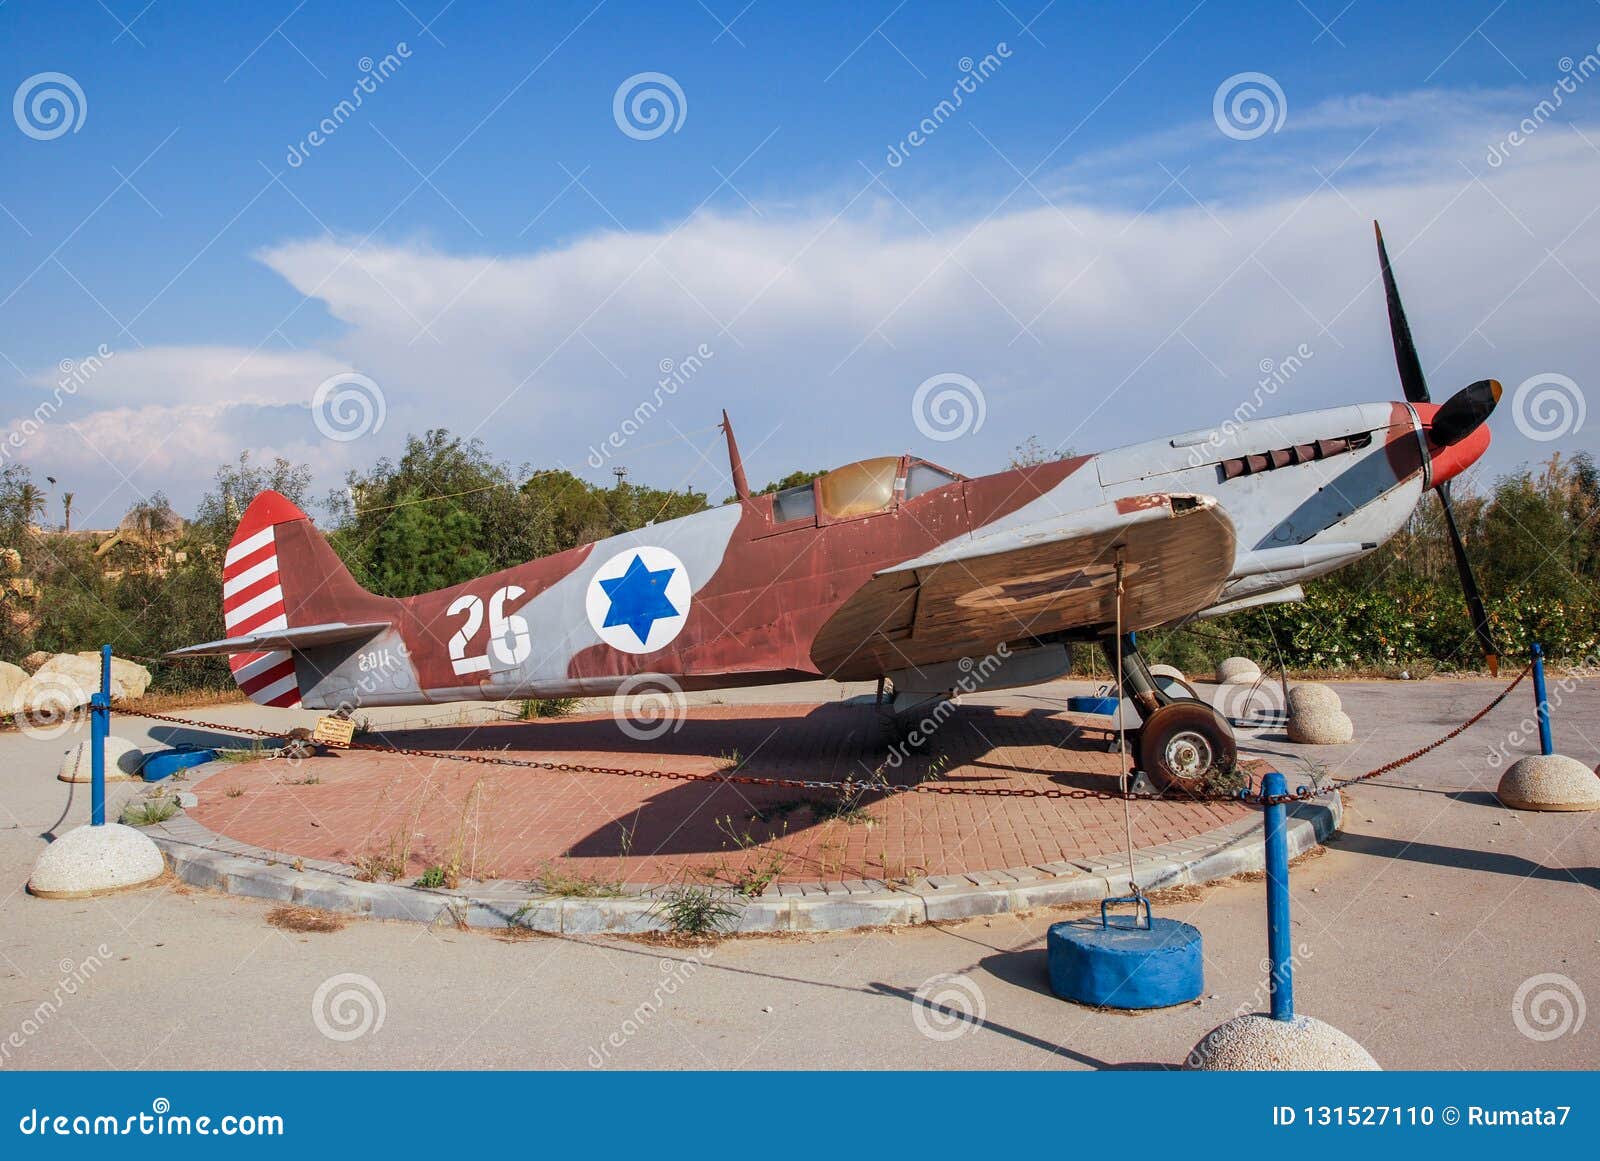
(236,485)
(423,546)
(434,468)
(793,480)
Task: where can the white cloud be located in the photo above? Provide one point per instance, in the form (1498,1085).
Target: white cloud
(1084,323)
(138,420)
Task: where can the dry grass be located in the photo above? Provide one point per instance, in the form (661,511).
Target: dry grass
(566,883)
(516,933)
(304,919)
(380,866)
(187,699)
(157,703)
(1182,893)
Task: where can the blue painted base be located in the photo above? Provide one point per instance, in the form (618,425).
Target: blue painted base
(1123,964)
(1084,704)
(165,763)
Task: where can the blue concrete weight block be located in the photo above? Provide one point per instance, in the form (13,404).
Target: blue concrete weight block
(165,763)
(1083,704)
(1126,961)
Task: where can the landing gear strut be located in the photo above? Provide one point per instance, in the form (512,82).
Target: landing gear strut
(1182,742)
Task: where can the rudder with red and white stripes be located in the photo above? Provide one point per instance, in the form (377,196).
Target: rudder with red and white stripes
(253,602)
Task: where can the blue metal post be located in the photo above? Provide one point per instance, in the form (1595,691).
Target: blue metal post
(99,727)
(1542,706)
(1281,982)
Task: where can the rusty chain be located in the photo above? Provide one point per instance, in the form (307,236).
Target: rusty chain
(851,787)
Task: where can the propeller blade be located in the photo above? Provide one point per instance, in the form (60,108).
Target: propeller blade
(1469,586)
(1464,412)
(1412,381)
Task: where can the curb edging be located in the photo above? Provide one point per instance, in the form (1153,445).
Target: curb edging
(203,858)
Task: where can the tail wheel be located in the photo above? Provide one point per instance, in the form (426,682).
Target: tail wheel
(1184,743)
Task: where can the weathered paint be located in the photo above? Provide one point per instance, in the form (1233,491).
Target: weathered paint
(1013,558)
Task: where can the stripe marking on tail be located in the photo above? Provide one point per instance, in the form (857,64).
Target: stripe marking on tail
(252,601)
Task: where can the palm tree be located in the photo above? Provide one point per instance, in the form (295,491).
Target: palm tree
(31,502)
(66,511)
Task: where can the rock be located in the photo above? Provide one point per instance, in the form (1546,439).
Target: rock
(1171,679)
(11,677)
(82,670)
(122,762)
(94,860)
(1237,669)
(35,659)
(50,696)
(1309,695)
(127,678)
(134,677)
(1321,727)
(1258,1043)
(1549,782)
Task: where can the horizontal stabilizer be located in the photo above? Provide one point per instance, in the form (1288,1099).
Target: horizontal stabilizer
(296,640)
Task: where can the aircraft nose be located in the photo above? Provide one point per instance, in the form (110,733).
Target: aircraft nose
(1449,461)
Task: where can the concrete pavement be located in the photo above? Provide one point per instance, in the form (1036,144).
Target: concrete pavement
(1435,930)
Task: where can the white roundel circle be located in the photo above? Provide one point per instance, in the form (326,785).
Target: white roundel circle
(638,600)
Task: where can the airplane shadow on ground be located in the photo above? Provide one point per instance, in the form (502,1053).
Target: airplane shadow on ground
(829,743)
(1462,858)
(218,739)
(952,1022)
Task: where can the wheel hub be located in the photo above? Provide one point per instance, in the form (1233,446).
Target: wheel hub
(1188,754)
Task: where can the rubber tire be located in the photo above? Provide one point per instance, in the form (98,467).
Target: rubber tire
(1179,716)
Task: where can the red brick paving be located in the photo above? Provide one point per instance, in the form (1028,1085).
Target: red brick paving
(519,823)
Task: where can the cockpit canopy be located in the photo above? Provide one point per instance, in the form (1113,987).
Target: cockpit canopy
(863,488)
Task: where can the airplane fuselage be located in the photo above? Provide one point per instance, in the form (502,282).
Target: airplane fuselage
(744,594)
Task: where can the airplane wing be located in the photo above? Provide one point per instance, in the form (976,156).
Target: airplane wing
(300,638)
(970,594)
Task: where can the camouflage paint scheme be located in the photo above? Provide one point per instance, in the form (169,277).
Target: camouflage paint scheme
(1024,558)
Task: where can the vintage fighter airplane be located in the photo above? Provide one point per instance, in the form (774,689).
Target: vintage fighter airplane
(891,568)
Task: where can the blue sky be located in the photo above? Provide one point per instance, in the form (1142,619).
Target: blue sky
(483,242)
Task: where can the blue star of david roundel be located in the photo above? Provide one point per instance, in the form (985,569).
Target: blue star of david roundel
(638,601)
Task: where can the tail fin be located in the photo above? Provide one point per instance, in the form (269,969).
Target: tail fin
(279,573)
